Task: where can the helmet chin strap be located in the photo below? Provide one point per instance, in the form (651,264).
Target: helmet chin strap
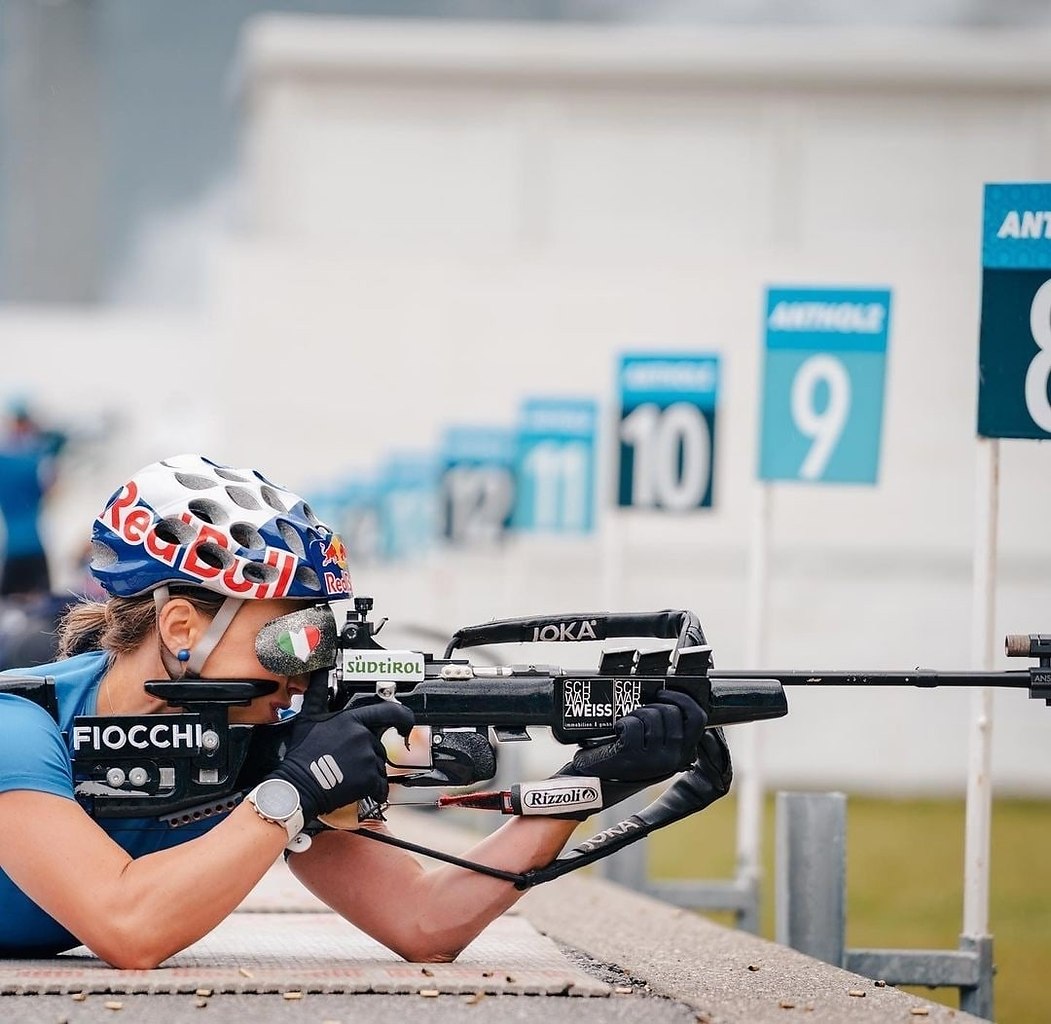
(209,640)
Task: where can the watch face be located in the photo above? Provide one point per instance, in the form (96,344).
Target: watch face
(277,799)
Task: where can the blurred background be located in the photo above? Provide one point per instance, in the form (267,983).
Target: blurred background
(355,245)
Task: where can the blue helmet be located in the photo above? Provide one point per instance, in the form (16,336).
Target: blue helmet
(189,520)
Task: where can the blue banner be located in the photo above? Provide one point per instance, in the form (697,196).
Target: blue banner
(1016,226)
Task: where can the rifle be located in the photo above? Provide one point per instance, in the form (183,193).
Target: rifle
(466,706)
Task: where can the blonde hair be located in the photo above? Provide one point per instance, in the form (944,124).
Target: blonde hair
(121,624)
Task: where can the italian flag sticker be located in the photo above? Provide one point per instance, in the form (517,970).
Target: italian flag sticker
(300,643)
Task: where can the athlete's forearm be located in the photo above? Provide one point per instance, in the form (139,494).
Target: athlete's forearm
(460,903)
(167,900)
(425,915)
(133,913)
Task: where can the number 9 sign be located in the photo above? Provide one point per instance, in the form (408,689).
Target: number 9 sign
(823,384)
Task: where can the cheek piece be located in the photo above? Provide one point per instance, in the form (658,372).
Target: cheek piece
(300,642)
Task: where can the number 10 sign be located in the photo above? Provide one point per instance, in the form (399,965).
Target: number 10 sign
(826,353)
(667,430)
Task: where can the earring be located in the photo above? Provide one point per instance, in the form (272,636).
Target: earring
(184,654)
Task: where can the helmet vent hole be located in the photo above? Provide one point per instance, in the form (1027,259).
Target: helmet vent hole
(290,535)
(102,555)
(229,474)
(214,555)
(244,497)
(247,536)
(174,531)
(309,578)
(209,511)
(195,482)
(308,512)
(256,572)
(272,498)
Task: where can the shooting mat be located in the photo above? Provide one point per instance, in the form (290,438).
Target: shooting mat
(316,952)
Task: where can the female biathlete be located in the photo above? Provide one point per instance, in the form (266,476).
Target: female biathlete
(198,560)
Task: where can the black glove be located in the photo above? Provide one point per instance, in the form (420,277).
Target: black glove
(336,759)
(651,743)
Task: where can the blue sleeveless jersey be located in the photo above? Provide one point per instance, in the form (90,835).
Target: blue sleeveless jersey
(21,496)
(34,754)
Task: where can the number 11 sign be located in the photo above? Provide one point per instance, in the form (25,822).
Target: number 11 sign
(826,352)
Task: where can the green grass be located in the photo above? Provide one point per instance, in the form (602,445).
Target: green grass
(905,884)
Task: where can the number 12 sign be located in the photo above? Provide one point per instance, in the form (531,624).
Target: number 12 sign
(826,353)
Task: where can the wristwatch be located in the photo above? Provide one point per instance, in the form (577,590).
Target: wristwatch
(278,801)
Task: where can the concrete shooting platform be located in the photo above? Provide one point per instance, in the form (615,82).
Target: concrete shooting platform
(576,937)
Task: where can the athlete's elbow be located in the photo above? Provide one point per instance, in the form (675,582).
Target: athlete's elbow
(441,956)
(134,960)
(419,947)
(428,953)
(132,947)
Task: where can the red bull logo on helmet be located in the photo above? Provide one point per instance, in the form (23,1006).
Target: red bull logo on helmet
(136,523)
(337,584)
(336,552)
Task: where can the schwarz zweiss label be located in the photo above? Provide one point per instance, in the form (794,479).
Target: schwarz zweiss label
(597,703)
(151,736)
(376,665)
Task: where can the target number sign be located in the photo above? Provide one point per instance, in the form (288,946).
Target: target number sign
(666,450)
(823,384)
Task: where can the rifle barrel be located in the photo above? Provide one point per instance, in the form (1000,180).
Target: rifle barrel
(919,677)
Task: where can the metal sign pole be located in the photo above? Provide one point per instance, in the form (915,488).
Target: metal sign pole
(979,782)
(747,745)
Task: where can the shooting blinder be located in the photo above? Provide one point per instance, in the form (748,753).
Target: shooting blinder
(302,641)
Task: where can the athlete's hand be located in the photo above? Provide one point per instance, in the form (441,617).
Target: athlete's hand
(651,743)
(336,759)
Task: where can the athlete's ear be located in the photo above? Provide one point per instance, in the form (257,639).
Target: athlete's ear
(179,624)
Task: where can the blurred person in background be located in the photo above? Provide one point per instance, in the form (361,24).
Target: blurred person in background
(217,573)
(28,453)
(29,611)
